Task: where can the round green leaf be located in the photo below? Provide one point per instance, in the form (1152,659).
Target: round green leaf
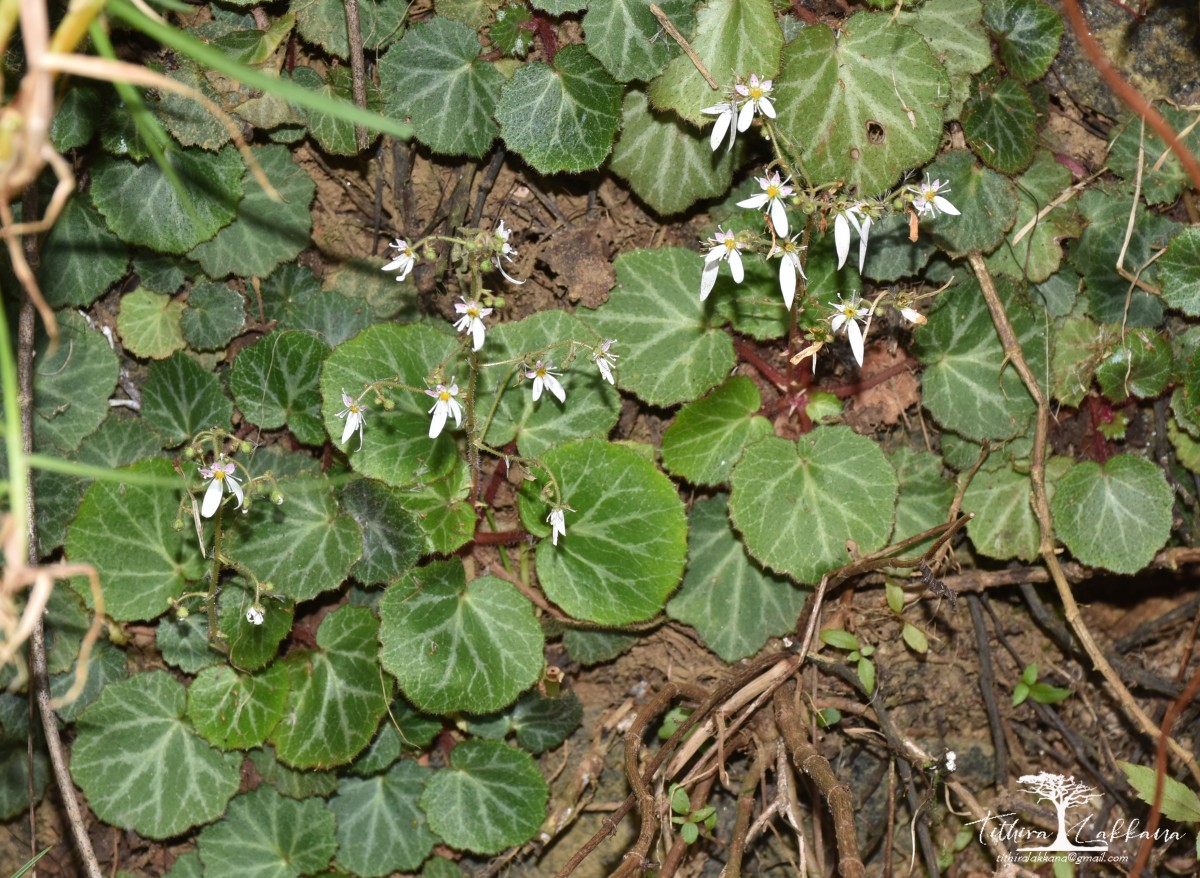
(264,232)
(444,509)
(925,496)
(592,404)
(954,31)
(966,386)
(381,829)
(304,546)
(864,106)
(1001,123)
(1132,141)
(150,324)
(323,23)
(392,535)
(1004,525)
(71,388)
(80,259)
(458,646)
(1114,516)
(265,835)
(561,118)
(275,384)
(1028,33)
(1140,367)
(987,200)
(183,643)
(722,41)
(671,351)
(622,36)
(665,163)
(797,503)
(181,397)
(105,665)
(214,315)
(396,444)
(707,436)
(288,781)
(540,723)
(732,603)
(142,767)
(1104,240)
(436,66)
(125,530)
(1179,272)
(1038,255)
(252,646)
(142,206)
(625,544)
(490,798)
(236,710)
(591,647)
(336,696)
(331,317)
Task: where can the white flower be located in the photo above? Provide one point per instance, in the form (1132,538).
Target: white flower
(558,523)
(604,360)
(472,320)
(405,259)
(771,197)
(254,615)
(725,113)
(927,201)
(789,267)
(543,377)
(849,314)
(445,406)
(951,760)
(755,93)
(507,252)
(726,246)
(221,479)
(356,417)
(851,216)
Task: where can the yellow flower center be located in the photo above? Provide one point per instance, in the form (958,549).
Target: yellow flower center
(772,191)
(730,244)
(755,92)
(219,475)
(444,396)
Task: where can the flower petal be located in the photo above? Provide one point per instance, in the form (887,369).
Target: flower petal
(779,218)
(708,279)
(212,498)
(735,266)
(456,410)
(555,387)
(863,231)
(745,116)
(351,426)
(854,333)
(841,238)
(477,330)
(236,487)
(787,281)
(439,419)
(945,206)
(755,201)
(764,104)
(537,388)
(719,128)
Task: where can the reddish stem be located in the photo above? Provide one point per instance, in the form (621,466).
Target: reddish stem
(543,29)
(845,391)
(1099,412)
(747,352)
(501,538)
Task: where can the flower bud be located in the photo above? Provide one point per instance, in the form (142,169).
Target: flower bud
(486,266)
(181,612)
(245,447)
(389,404)
(189,453)
(177,524)
(276,498)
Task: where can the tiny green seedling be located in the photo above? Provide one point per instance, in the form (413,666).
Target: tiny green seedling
(690,822)
(860,654)
(1042,693)
(913,636)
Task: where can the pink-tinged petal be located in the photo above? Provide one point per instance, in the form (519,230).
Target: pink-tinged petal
(841,238)
(779,218)
(555,388)
(439,419)
(945,206)
(212,498)
(236,487)
(709,278)
(787,281)
(735,266)
(351,425)
(742,89)
(764,104)
(854,333)
(755,201)
(862,247)
(745,116)
(477,330)
(347,399)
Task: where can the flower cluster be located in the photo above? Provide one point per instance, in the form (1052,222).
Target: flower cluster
(746,99)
